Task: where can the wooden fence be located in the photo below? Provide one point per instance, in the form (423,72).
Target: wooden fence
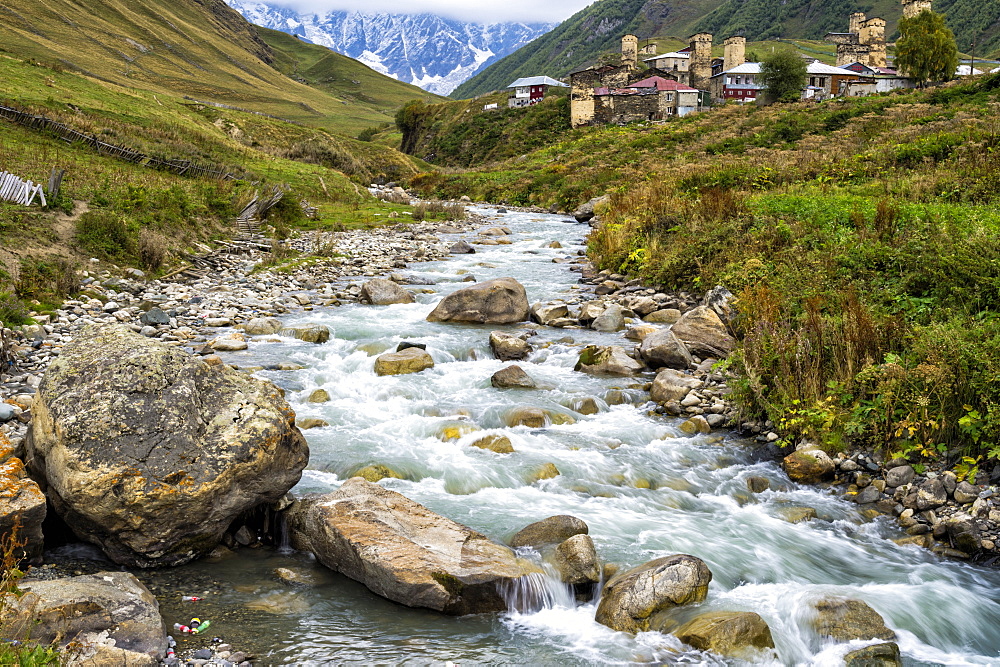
(15,190)
(68,134)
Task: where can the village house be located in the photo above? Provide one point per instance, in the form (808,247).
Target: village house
(742,83)
(531,90)
(676,62)
(652,98)
(875,80)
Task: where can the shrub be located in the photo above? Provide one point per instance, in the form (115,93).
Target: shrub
(105,234)
(152,250)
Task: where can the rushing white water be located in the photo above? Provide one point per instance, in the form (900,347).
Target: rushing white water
(645,490)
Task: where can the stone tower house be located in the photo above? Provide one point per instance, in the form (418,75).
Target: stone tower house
(630,51)
(700,67)
(735,53)
(864,42)
(913,7)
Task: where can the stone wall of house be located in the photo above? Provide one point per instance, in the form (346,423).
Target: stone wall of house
(614,109)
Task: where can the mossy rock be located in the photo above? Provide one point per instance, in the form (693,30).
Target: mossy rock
(734,634)
(319,396)
(456,431)
(374,473)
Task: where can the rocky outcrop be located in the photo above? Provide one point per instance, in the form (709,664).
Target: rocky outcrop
(553,530)
(631,598)
(508,347)
(734,634)
(404,362)
(22,507)
(844,619)
(607,360)
(382,292)
(90,609)
(402,551)
(152,453)
(500,301)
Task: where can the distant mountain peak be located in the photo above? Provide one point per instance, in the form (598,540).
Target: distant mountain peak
(426,50)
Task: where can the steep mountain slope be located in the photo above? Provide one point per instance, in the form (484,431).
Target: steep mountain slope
(199,48)
(597,29)
(426,50)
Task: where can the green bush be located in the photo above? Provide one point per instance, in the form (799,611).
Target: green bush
(105,234)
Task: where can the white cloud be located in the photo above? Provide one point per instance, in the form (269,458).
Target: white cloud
(465,10)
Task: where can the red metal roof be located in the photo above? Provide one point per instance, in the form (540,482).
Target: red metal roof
(660,83)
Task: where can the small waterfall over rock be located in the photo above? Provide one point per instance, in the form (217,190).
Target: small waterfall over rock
(536,591)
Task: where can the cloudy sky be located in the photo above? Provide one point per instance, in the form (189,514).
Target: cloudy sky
(481,11)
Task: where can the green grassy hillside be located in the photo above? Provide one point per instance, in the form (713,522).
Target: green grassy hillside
(203,49)
(861,237)
(596,31)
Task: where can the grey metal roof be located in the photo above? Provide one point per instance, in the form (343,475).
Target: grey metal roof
(537,81)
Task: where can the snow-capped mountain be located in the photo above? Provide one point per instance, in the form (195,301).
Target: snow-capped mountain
(429,51)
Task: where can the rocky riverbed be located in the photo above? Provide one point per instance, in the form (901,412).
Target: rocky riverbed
(679,336)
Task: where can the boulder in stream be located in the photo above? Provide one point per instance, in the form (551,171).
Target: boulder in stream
(845,619)
(499,301)
(733,634)
(577,561)
(402,551)
(382,292)
(809,466)
(672,385)
(409,360)
(308,333)
(512,377)
(631,598)
(553,530)
(607,360)
(151,453)
(508,347)
(885,654)
(665,349)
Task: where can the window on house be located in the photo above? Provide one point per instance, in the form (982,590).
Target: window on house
(822,82)
(737,80)
(670,97)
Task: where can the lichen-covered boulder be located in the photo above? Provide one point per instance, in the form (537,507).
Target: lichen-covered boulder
(631,598)
(151,453)
(402,551)
(885,654)
(404,362)
(845,619)
(86,609)
(553,530)
(733,634)
(382,292)
(262,326)
(500,301)
(607,360)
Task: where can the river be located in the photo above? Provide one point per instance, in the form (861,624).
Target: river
(644,489)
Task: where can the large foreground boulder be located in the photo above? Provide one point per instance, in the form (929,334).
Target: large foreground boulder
(631,598)
(809,466)
(90,609)
(402,551)
(500,301)
(665,349)
(151,453)
(382,292)
(672,385)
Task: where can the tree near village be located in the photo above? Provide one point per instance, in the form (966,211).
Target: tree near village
(926,49)
(783,75)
